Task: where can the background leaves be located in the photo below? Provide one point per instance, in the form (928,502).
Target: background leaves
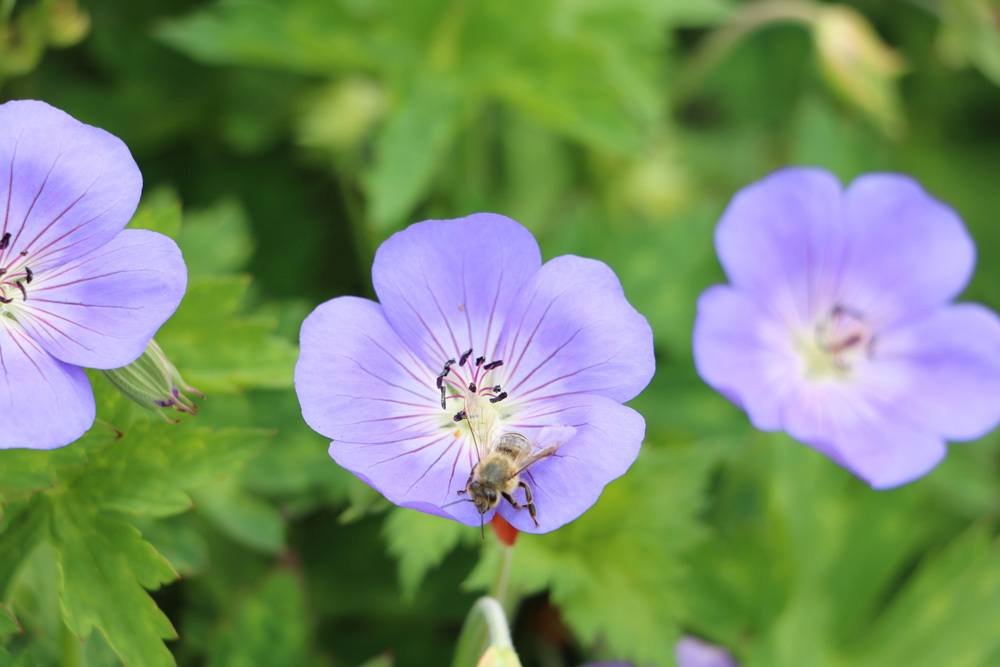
(281,141)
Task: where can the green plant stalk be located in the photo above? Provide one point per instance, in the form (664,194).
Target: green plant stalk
(482,626)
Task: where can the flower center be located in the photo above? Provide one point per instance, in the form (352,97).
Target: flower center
(15,276)
(469,394)
(840,340)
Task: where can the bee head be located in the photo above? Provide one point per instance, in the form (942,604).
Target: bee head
(485,497)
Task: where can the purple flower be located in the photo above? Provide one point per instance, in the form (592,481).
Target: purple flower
(473,338)
(75,289)
(689,652)
(693,652)
(837,326)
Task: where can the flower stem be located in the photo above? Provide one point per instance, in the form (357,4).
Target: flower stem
(71,653)
(486,624)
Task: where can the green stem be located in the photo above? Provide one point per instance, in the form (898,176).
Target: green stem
(482,625)
(71,649)
(750,18)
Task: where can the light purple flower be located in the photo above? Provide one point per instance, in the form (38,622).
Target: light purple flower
(689,652)
(550,351)
(694,652)
(838,328)
(76,289)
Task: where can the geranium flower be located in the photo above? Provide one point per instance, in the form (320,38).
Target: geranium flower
(76,289)
(689,652)
(837,326)
(473,338)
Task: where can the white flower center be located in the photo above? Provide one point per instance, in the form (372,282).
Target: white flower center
(15,277)
(838,342)
(470,394)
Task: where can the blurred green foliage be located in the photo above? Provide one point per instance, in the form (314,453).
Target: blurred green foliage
(281,141)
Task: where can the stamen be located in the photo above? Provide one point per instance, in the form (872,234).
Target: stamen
(499,397)
(472,387)
(5,241)
(480,360)
(4,299)
(465,357)
(24,253)
(24,292)
(459,416)
(444,404)
(493,364)
(30,275)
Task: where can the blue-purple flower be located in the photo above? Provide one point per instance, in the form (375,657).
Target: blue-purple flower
(838,328)
(689,652)
(76,289)
(474,338)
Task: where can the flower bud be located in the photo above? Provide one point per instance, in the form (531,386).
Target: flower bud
(859,65)
(154,383)
(499,656)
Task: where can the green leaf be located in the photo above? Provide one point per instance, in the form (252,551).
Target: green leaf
(243,517)
(417,133)
(419,542)
(270,626)
(216,240)
(297,35)
(218,347)
(106,567)
(611,572)
(159,211)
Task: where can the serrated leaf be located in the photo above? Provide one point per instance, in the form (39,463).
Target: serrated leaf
(419,542)
(612,572)
(106,568)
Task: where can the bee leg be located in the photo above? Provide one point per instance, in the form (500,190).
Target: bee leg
(529,501)
(513,501)
(468,481)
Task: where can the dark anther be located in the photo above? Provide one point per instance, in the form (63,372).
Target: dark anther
(439,382)
(4,299)
(24,292)
(493,364)
(496,387)
(465,357)
(472,387)
(30,275)
(480,360)
(499,397)
(5,241)
(459,416)
(24,253)
(447,366)
(444,404)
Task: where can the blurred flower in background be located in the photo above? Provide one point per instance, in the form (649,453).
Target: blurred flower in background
(837,326)
(689,652)
(473,337)
(76,289)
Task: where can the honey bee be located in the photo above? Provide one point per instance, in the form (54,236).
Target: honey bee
(497,475)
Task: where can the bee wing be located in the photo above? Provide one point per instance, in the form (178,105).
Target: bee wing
(535,458)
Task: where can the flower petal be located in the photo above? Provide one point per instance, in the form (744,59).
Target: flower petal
(360,385)
(604,445)
(44,402)
(66,188)
(909,252)
(101,310)
(949,364)
(782,241)
(862,433)
(447,285)
(745,354)
(572,330)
